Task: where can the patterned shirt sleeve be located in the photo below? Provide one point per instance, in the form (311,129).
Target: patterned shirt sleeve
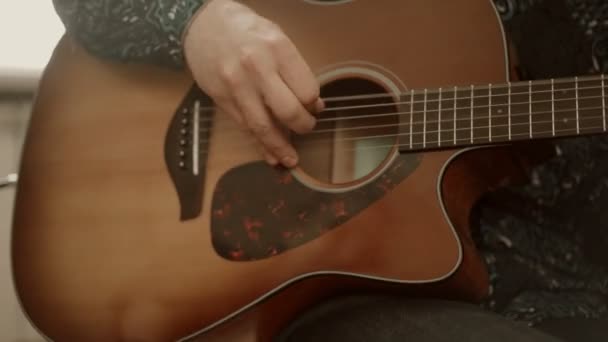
(143,31)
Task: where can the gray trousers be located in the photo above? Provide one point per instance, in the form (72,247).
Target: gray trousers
(383,319)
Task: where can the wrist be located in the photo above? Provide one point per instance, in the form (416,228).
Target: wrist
(190,26)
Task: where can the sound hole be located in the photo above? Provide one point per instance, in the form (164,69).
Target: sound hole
(354,135)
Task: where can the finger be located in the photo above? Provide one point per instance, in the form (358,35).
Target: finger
(319,105)
(298,76)
(231,109)
(257,118)
(270,159)
(285,105)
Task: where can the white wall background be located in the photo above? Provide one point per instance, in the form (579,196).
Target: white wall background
(29,30)
(14,115)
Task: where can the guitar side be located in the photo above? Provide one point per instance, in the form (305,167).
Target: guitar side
(100,226)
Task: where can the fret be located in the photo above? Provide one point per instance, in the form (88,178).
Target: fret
(552,107)
(424,118)
(418,119)
(565,108)
(520,108)
(530,108)
(500,113)
(490,112)
(480,115)
(455,123)
(404,133)
(603,85)
(411,120)
(463,116)
(541,110)
(590,102)
(446,115)
(431,119)
(405,110)
(509,114)
(439,118)
(432,127)
(577,104)
(472,109)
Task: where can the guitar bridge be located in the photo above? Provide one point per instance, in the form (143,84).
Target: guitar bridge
(186,146)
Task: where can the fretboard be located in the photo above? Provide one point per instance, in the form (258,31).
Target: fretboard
(488,114)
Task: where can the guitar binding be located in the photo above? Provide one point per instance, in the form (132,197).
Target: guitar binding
(186,146)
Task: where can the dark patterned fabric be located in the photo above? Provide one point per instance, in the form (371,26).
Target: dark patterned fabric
(546,243)
(147,31)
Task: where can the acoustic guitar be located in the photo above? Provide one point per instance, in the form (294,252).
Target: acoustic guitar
(142,213)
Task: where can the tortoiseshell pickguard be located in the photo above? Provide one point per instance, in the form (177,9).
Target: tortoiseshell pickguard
(259,211)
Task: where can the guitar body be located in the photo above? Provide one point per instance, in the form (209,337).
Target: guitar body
(143,214)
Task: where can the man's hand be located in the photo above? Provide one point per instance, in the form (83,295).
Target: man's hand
(254,73)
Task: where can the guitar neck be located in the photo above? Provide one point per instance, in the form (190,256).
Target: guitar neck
(499,113)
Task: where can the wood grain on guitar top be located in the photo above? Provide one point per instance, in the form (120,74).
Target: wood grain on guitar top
(100,252)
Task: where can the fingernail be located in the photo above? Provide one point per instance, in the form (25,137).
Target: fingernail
(319,105)
(289,161)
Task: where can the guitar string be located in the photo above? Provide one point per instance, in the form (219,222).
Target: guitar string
(486,86)
(461,143)
(463,88)
(456,98)
(420,93)
(451,109)
(448,122)
(467,98)
(449,142)
(448,131)
(486,105)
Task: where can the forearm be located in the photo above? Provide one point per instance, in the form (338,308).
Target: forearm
(145,31)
